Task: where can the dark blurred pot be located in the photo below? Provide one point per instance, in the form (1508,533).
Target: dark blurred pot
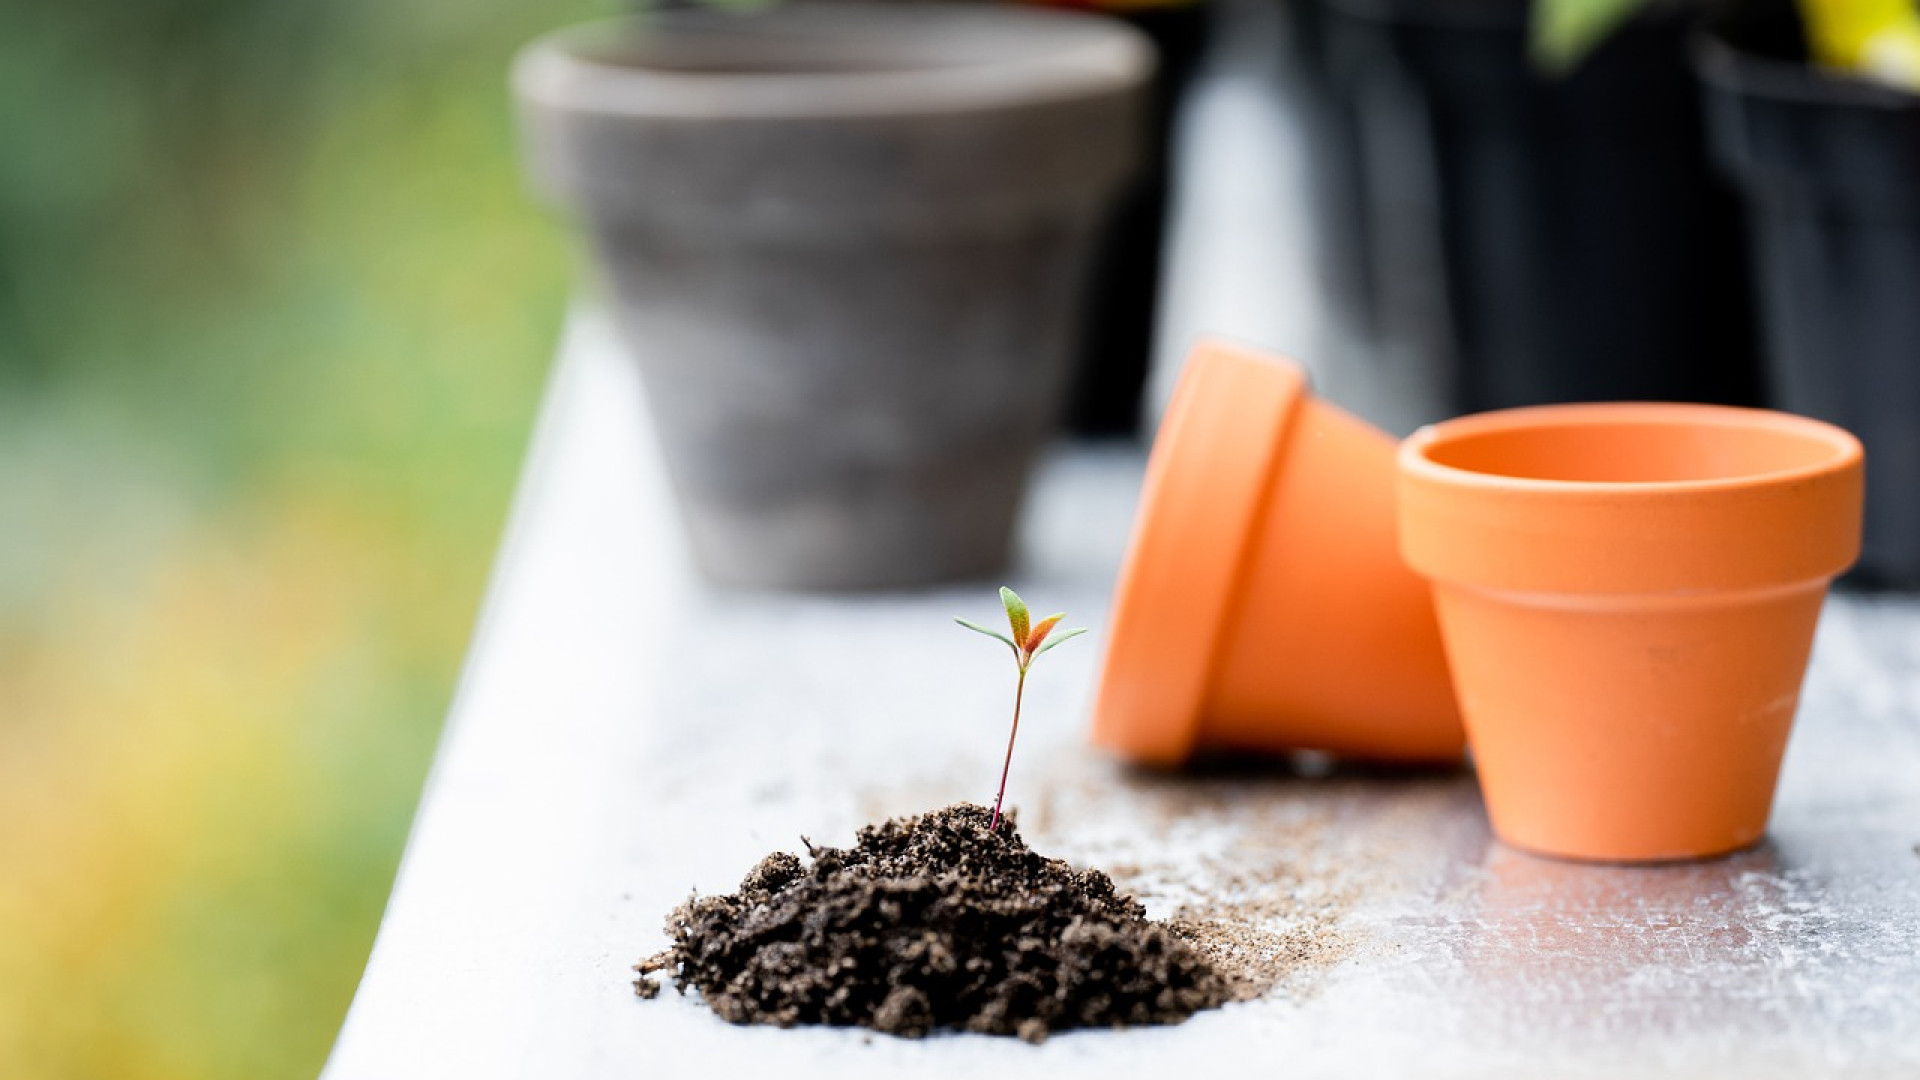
(1123,295)
(1343,246)
(1831,172)
(846,242)
(1372,232)
(1586,249)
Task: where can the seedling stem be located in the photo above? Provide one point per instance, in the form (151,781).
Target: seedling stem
(1029,640)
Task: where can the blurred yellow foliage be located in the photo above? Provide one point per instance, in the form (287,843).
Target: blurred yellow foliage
(176,764)
(1879,39)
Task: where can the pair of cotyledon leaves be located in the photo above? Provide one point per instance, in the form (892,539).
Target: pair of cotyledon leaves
(1029,639)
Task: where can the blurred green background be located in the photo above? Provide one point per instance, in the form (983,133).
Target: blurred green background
(274,318)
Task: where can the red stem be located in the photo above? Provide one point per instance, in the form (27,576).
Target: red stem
(1019,690)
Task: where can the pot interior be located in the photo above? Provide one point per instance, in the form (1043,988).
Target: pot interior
(1662,448)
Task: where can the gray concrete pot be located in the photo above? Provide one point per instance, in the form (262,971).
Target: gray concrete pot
(845,242)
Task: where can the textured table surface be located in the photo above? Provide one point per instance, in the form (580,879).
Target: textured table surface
(623,736)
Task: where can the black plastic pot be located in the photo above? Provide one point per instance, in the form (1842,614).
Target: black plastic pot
(1584,246)
(1831,172)
(1123,293)
(1341,229)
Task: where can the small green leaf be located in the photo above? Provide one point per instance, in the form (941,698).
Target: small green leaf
(1016,613)
(1064,635)
(978,629)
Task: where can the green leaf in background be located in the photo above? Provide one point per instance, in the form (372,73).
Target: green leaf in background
(1565,31)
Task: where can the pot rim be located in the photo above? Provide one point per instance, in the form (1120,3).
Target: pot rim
(1510,16)
(1731,68)
(1216,452)
(1079,56)
(1843,450)
(1751,516)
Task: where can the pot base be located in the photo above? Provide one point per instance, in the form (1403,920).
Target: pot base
(1583,859)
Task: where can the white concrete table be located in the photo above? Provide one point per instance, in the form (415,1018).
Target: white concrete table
(623,736)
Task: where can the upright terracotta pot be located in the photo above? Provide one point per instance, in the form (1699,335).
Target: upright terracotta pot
(1628,594)
(1263,605)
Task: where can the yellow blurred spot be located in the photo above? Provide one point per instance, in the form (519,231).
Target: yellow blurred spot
(1877,39)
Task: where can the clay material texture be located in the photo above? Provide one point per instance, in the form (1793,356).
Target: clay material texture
(846,243)
(1263,605)
(1629,594)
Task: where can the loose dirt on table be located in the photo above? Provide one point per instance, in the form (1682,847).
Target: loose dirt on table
(930,923)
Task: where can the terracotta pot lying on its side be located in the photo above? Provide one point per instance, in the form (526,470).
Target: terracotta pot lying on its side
(1263,605)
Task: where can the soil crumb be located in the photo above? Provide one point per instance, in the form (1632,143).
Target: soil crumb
(931,923)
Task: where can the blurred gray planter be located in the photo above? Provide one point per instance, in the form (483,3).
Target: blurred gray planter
(846,243)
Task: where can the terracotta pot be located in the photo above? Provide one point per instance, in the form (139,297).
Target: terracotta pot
(846,243)
(1629,595)
(1263,605)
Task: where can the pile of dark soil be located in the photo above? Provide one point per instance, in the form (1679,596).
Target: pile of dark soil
(930,923)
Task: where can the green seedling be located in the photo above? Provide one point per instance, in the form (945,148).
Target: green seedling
(1029,640)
